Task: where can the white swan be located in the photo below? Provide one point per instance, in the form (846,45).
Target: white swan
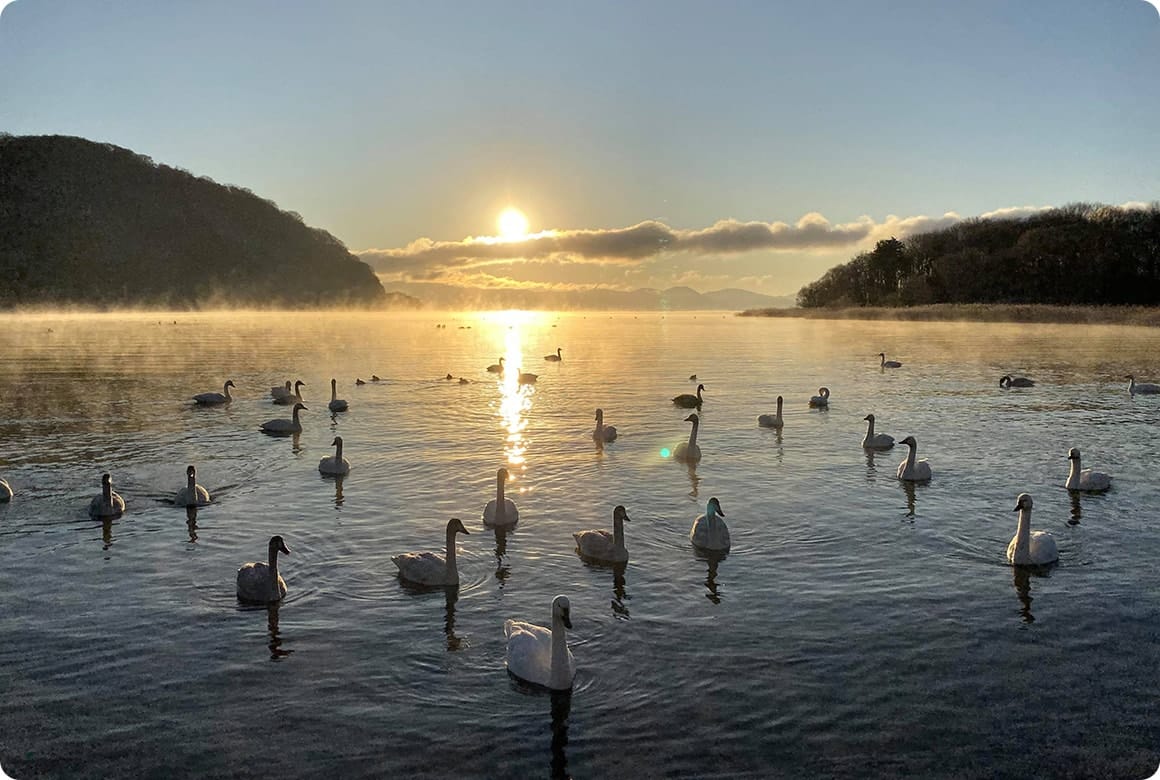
(875,441)
(1079,478)
(428,568)
(281,391)
(688,400)
(215,399)
(192,494)
(282,425)
(496,368)
(108,503)
(526,378)
(539,655)
(709,531)
(5,492)
(335,464)
(260,582)
(771,420)
(291,398)
(1027,547)
(1141,388)
(601,545)
(555,358)
(1008,381)
(912,471)
(501,512)
(336,404)
(603,433)
(822,399)
(888,363)
(689,451)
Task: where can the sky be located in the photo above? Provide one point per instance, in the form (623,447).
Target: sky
(649,144)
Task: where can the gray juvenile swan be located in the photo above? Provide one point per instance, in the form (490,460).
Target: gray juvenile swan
(260,582)
(215,399)
(335,464)
(1141,388)
(888,363)
(496,368)
(1027,547)
(428,568)
(875,441)
(709,531)
(601,545)
(1007,381)
(283,425)
(555,358)
(1087,480)
(822,399)
(291,398)
(771,420)
(688,400)
(501,512)
(192,494)
(280,391)
(539,655)
(336,404)
(689,451)
(108,504)
(603,433)
(910,470)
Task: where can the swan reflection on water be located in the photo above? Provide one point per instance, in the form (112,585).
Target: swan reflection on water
(1022,576)
(275,644)
(502,570)
(338,491)
(619,592)
(694,480)
(1076,510)
(713,590)
(453,642)
(910,489)
(191,522)
(561,709)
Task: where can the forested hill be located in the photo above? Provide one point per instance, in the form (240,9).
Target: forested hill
(97,225)
(1078,254)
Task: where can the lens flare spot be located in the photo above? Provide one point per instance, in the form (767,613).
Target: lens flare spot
(665,452)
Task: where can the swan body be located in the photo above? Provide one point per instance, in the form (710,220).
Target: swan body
(540,655)
(501,512)
(291,398)
(772,420)
(375,378)
(359,382)
(428,568)
(496,368)
(689,451)
(888,363)
(335,464)
(688,400)
(822,399)
(603,433)
(192,494)
(1141,388)
(336,404)
(692,377)
(709,531)
(1007,381)
(108,504)
(875,441)
(910,470)
(1027,547)
(1087,480)
(555,358)
(260,582)
(281,391)
(5,492)
(601,545)
(215,399)
(283,425)
(526,378)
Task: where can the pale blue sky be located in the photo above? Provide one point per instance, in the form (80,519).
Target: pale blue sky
(389,122)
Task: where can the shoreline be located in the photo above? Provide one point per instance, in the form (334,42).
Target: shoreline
(1144,316)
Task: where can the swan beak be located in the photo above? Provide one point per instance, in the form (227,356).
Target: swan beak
(1016,509)
(566,618)
(283,548)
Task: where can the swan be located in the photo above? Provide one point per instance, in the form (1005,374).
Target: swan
(108,503)
(5,492)
(428,568)
(260,582)
(192,494)
(283,425)
(358,381)
(501,512)
(281,391)
(909,470)
(291,398)
(539,655)
(603,433)
(692,377)
(215,399)
(1027,547)
(888,363)
(771,420)
(555,358)
(875,441)
(1141,388)
(1007,381)
(688,400)
(1085,479)
(526,378)
(822,399)
(604,546)
(689,451)
(375,378)
(336,404)
(709,531)
(496,368)
(335,464)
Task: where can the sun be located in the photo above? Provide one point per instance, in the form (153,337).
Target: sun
(513,225)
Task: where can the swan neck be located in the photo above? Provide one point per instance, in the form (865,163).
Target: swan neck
(451,551)
(338,453)
(500,509)
(870,429)
(333,392)
(1073,474)
(693,434)
(226,390)
(191,483)
(559,671)
(910,456)
(272,561)
(618,533)
(107,493)
(1023,535)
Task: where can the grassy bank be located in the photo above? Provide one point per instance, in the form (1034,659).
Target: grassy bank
(980,312)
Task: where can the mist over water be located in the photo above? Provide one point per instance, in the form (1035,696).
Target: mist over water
(856,627)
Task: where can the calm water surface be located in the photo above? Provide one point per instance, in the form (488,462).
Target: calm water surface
(856,628)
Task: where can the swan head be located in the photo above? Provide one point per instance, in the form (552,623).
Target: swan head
(700,388)
(1129,376)
(562,608)
(692,377)
(693,418)
(1004,380)
(869,418)
(298,384)
(333,383)
(824,392)
(501,361)
(276,543)
(909,442)
(620,513)
(882,355)
(230,383)
(190,471)
(1022,502)
(448,377)
(455,526)
(337,442)
(502,475)
(780,400)
(300,406)
(1073,454)
(106,480)
(713,508)
(599,414)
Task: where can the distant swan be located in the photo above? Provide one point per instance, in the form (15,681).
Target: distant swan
(603,433)
(5,492)
(375,378)
(1027,547)
(1007,380)
(283,425)
(909,470)
(428,568)
(888,363)
(709,531)
(692,377)
(555,358)
(689,451)
(358,381)
(875,441)
(291,398)
(1141,388)
(688,400)
(526,378)
(601,545)
(501,512)
(496,368)
(260,582)
(281,392)
(215,399)
(539,655)
(108,503)
(335,464)
(822,399)
(771,420)
(336,404)
(1085,479)
(192,494)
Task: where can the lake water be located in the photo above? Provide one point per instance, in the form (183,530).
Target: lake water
(856,628)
